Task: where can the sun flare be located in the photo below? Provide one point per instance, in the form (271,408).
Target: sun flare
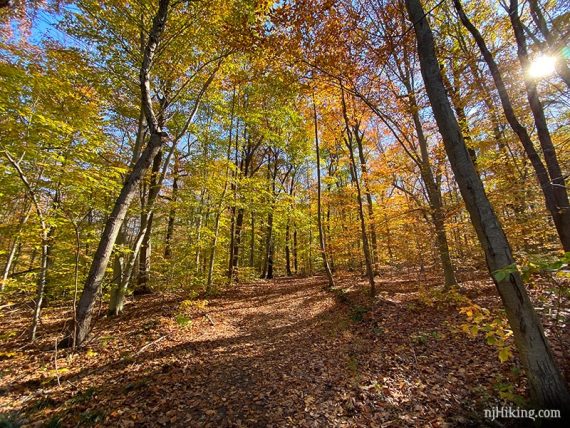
(542,66)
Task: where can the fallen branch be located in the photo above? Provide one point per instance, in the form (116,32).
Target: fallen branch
(150,344)
(7,305)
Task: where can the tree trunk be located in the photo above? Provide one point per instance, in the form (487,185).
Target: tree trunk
(14,248)
(364,235)
(358,137)
(434,196)
(237,244)
(356,180)
(268,274)
(295,258)
(319,209)
(118,291)
(547,385)
(128,191)
(108,238)
(9,261)
(252,242)
(145,253)
(550,38)
(220,209)
(41,285)
(172,212)
(288,248)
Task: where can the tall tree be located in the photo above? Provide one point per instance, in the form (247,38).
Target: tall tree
(157,138)
(548,387)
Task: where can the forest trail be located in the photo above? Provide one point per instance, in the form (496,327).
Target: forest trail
(280,352)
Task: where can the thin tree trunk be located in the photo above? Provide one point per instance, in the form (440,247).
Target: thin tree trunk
(172,212)
(270,243)
(560,65)
(547,385)
(435,200)
(142,286)
(237,243)
(364,173)
(118,290)
(45,249)
(295,258)
(319,209)
(252,242)
(356,181)
(288,249)
(9,260)
(214,244)
(268,274)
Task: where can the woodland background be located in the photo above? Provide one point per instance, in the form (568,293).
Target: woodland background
(279,139)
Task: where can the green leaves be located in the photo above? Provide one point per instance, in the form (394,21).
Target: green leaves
(502,274)
(536,267)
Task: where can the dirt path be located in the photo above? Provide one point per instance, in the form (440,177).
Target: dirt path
(279,353)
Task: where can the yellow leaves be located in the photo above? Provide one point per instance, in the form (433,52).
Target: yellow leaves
(505,354)
(497,333)
(7,355)
(187,305)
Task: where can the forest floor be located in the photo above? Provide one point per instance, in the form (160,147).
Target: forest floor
(269,353)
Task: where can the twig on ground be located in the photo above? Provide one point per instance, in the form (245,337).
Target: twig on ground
(150,344)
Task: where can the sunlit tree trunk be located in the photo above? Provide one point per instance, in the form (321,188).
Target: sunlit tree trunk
(295,257)
(220,208)
(551,38)
(45,235)
(288,229)
(14,247)
(147,220)
(118,290)
(252,241)
(434,197)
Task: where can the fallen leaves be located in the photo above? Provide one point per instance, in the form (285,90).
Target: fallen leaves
(279,353)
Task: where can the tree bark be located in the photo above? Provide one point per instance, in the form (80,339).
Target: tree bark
(547,385)
(434,196)
(560,65)
(14,248)
(45,247)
